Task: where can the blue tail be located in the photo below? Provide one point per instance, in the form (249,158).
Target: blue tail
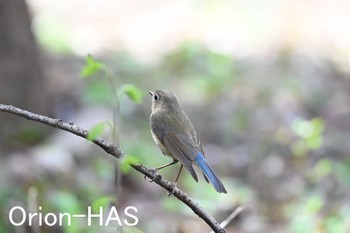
(209,173)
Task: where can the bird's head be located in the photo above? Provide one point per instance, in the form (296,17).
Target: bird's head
(163,100)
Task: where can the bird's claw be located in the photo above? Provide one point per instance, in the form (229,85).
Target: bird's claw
(154,174)
(173,186)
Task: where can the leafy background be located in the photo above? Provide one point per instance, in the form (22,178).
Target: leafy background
(265,83)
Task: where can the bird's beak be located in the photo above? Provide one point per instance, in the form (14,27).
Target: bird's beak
(151,93)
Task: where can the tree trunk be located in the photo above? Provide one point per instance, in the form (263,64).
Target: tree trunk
(22,81)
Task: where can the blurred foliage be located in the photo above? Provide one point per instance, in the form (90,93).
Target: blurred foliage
(98,92)
(91,66)
(132,92)
(96,131)
(126,162)
(102,202)
(199,67)
(53,35)
(309,134)
(274,128)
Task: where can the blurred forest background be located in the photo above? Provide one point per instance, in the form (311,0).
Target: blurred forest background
(266,84)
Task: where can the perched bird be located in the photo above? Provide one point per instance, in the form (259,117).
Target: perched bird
(176,137)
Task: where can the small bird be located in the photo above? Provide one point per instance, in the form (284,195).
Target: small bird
(176,137)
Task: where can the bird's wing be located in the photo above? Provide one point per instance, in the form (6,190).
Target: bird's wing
(182,150)
(183,147)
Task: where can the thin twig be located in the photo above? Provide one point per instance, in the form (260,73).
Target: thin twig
(232,216)
(116,152)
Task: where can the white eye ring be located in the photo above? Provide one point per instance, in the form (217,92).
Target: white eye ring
(155,97)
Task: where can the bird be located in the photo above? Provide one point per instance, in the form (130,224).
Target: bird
(176,137)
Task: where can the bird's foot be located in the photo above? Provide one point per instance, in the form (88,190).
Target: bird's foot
(173,186)
(154,174)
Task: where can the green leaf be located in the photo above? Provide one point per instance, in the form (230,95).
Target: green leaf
(96,131)
(91,66)
(101,202)
(66,202)
(126,162)
(133,93)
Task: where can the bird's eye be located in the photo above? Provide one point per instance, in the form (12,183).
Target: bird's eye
(155,97)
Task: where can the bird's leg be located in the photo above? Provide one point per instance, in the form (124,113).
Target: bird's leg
(175,183)
(165,165)
(161,167)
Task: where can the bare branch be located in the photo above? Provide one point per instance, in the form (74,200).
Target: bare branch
(116,152)
(232,216)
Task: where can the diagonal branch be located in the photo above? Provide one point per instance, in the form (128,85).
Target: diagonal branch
(116,152)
